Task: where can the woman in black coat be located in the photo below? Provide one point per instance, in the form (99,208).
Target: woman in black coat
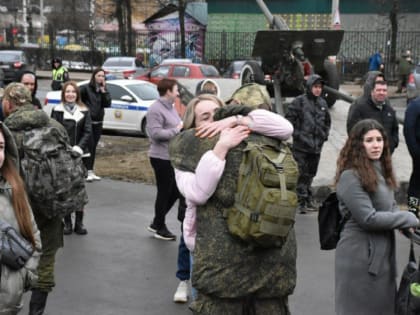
(74,116)
(97,98)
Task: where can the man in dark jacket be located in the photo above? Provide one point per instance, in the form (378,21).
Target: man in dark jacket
(96,97)
(311,122)
(377,107)
(22,116)
(371,78)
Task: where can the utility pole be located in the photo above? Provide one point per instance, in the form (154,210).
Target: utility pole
(25,22)
(41,12)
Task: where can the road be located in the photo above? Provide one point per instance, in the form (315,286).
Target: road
(118,268)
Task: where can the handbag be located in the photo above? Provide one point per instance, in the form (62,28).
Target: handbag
(408,298)
(15,250)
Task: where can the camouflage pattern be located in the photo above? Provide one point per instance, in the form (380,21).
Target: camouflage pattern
(53,191)
(25,118)
(51,239)
(225,267)
(265,202)
(308,166)
(253,95)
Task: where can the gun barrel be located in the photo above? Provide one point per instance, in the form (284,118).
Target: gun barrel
(339,94)
(274,21)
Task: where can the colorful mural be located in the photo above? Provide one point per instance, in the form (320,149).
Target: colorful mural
(164,39)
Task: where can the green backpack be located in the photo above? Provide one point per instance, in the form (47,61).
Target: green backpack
(53,174)
(265,200)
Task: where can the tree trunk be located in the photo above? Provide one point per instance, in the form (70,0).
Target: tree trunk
(129,27)
(120,14)
(393,17)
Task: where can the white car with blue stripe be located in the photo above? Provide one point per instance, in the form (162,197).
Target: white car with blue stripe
(130,101)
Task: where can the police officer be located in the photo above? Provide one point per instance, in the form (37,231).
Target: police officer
(60,74)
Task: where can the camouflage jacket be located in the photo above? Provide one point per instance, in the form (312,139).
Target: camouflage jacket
(26,118)
(225,267)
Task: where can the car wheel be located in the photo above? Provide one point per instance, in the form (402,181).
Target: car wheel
(252,73)
(143,127)
(332,79)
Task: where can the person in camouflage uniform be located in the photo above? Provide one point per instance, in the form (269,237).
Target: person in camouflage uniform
(21,116)
(231,276)
(311,121)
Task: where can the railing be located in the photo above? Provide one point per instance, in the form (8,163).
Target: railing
(218,48)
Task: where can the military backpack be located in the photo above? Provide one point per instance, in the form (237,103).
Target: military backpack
(54,175)
(265,200)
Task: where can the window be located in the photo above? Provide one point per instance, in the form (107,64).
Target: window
(116,91)
(146,92)
(181,71)
(160,72)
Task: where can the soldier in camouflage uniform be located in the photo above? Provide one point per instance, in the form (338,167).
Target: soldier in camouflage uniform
(311,121)
(231,276)
(21,116)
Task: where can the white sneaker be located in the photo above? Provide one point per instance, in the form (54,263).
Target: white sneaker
(95,177)
(89,177)
(181,294)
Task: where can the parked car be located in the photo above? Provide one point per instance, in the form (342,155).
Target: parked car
(413,84)
(12,62)
(122,68)
(180,70)
(130,102)
(234,69)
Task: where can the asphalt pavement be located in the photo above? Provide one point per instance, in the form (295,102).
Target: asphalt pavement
(120,269)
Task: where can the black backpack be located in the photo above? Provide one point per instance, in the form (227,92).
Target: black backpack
(330,222)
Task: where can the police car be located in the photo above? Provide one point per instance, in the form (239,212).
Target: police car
(130,102)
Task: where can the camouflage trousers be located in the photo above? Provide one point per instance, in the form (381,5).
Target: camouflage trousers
(308,166)
(52,239)
(206,305)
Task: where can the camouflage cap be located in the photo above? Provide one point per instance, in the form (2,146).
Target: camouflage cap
(17,93)
(251,94)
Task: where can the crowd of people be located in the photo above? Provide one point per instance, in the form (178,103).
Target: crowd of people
(196,161)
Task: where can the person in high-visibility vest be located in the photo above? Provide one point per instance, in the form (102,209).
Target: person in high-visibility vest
(60,74)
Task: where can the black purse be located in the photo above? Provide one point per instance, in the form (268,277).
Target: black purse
(15,250)
(406,302)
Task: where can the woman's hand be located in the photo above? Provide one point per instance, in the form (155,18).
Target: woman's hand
(210,129)
(230,138)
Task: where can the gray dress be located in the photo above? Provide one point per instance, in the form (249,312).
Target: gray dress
(365,267)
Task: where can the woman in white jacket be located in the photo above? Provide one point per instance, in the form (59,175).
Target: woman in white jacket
(16,211)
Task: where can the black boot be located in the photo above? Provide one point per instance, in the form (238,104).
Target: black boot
(38,302)
(414,205)
(78,225)
(68,226)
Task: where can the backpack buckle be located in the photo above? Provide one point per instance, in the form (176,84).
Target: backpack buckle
(254,216)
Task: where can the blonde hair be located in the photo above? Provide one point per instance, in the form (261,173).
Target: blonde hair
(17,94)
(78,96)
(189,116)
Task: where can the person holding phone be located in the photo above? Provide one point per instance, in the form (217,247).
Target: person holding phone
(96,97)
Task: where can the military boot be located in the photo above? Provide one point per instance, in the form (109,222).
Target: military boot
(414,205)
(78,225)
(68,226)
(38,302)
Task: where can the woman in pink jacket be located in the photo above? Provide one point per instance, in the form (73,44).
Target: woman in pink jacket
(199,186)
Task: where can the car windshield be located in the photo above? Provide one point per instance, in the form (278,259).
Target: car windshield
(9,57)
(418,69)
(209,71)
(118,63)
(146,92)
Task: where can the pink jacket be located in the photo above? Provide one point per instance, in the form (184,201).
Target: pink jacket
(198,187)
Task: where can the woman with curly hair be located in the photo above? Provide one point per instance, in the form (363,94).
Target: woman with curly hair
(365,267)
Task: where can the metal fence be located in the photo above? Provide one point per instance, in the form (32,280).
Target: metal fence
(220,48)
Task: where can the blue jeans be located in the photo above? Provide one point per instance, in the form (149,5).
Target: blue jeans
(184,270)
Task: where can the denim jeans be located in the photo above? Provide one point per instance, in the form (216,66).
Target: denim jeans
(184,270)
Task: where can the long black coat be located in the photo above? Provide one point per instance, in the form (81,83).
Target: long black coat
(96,101)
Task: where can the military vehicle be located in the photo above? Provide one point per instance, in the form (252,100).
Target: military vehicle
(284,57)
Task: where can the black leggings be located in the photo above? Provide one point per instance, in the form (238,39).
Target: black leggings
(93,143)
(167,191)
(414,184)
